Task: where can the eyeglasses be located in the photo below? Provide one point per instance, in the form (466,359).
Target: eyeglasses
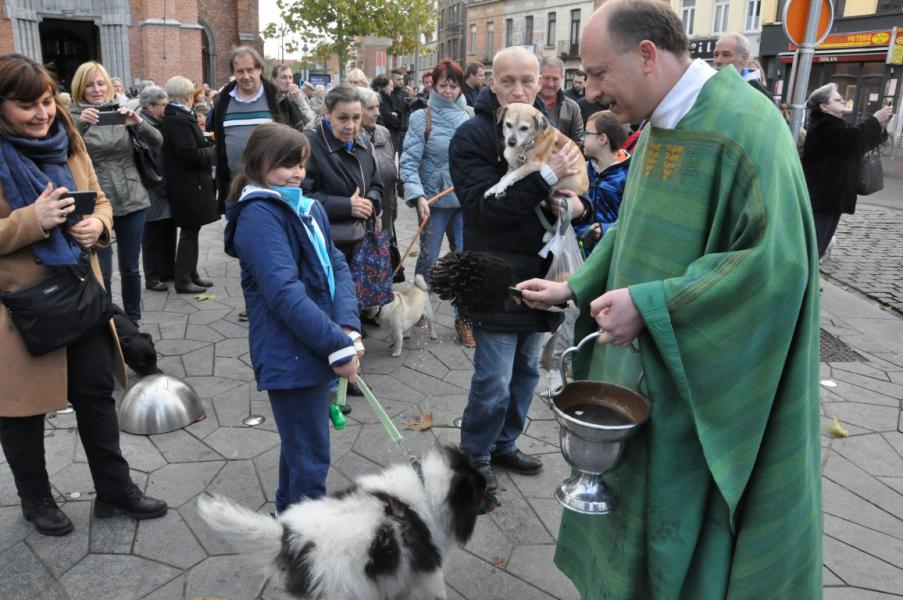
(584,133)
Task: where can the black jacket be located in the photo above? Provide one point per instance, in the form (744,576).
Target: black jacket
(333,172)
(189,163)
(573,95)
(470,94)
(223,176)
(388,116)
(400,105)
(831,157)
(506,227)
(588,109)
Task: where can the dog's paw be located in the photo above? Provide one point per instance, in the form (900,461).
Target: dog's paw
(396,353)
(494,191)
(433,336)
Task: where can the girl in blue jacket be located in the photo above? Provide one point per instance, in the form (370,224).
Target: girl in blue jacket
(302,306)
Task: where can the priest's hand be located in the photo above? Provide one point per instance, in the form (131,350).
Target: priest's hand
(542,293)
(617,316)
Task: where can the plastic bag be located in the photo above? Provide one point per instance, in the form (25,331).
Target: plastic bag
(561,242)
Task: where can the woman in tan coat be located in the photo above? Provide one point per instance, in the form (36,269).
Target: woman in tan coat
(41,158)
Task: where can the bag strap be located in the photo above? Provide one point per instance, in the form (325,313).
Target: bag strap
(552,228)
(429,124)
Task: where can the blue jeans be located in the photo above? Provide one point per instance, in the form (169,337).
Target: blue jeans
(447,222)
(302,418)
(129,234)
(506,371)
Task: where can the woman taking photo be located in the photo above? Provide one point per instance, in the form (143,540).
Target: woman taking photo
(342,171)
(832,155)
(110,149)
(189,181)
(158,246)
(43,157)
(424,170)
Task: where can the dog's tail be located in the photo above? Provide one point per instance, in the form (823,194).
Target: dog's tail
(420,282)
(250,532)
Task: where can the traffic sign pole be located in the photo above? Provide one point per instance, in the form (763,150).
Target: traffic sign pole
(803,63)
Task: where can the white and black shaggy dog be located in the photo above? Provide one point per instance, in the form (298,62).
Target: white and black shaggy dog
(384,538)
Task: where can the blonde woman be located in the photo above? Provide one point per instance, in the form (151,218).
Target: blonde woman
(110,149)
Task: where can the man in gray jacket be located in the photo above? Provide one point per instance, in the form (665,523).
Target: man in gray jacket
(563,112)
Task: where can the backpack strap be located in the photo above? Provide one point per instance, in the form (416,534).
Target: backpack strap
(429,125)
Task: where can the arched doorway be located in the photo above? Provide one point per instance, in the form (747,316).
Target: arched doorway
(67,44)
(208,54)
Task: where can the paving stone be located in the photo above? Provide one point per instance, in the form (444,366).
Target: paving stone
(855,393)
(13,527)
(232,406)
(213,544)
(425,384)
(891,390)
(840,502)
(178,483)
(232,368)
(446,409)
(207,387)
(74,478)
(353,465)
(374,443)
(489,542)
(207,425)
(380,362)
(515,517)
(8,494)
(22,574)
(173,329)
(114,535)
(862,369)
(114,577)
(849,593)
(206,317)
(855,477)
(549,511)
(180,446)
(171,365)
(241,442)
(535,565)
(882,546)
(174,590)
(62,553)
(474,578)
(158,316)
(199,362)
(452,356)
(178,347)
(59,448)
(873,453)
(387,387)
(858,568)
(542,485)
(869,416)
(168,540)
(225,577)
(229,329)
(232,348)
(238,482)
(267,468)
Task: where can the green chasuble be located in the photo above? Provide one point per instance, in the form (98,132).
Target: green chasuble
(719,494)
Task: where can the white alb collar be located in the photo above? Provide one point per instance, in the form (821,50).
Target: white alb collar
(682,96)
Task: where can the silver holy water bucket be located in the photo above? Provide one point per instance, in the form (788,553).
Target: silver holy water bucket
(594,419)
(159,404)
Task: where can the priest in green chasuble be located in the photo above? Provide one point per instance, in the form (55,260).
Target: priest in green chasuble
(708,284)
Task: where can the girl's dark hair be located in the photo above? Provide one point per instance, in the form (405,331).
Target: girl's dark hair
(379,82)
(606,122)
(24,80)
(451,70)
(270,146)
(342,93)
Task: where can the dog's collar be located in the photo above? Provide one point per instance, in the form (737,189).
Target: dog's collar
(522,157)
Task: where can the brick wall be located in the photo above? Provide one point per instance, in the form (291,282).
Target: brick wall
(158,52)
(6,33)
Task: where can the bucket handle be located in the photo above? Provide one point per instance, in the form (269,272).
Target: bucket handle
(577,348)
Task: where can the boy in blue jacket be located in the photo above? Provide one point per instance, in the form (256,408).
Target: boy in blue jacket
(302,307)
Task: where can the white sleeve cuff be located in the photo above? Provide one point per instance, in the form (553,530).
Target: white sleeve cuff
(548,174)
(338,355)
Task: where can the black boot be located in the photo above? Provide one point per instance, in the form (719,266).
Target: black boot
(132,503)
(46,516)
(188,287)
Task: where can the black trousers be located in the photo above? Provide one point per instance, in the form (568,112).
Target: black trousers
(90,380)
(187,254)
(159,250)
(825,226)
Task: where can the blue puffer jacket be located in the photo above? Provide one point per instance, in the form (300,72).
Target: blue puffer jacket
(295,326)
(606,189)
(424,166)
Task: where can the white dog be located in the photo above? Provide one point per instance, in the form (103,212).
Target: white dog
(405,310)
(529,142)
(383,538)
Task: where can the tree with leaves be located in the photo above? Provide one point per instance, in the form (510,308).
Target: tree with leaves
(335,26)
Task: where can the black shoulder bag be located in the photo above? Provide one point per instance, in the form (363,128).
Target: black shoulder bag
(58,310)
(150,172)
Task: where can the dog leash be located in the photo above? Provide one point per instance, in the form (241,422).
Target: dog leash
(383,417)
(420,229)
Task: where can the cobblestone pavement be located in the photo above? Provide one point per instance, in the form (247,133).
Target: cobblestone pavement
(511,553)
(868,256)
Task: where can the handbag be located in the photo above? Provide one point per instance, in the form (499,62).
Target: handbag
(348,232)
(58,310)
(871,174)
(150,172)
(371,268)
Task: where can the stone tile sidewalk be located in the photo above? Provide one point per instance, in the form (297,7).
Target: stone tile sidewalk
(511,553)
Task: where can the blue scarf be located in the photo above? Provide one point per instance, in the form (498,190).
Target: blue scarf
(348,145)
(301,205)
(26,165)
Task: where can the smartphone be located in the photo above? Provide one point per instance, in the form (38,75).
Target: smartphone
(84,202)
(110,117)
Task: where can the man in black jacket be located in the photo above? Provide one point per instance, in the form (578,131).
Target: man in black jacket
(509,341)
(399,97)
(474,76)
(244,103)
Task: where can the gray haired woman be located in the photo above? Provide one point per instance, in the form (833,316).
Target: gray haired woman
(384,153)
(189,181)
(159,243)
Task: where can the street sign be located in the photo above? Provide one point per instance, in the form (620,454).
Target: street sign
(796,18)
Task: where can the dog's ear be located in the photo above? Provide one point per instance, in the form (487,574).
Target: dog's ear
(541,122)
(500,114)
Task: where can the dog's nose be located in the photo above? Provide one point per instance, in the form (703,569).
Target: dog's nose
(512,142)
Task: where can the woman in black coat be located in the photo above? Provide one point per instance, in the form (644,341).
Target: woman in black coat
(832,155)
(342,172)
(189,181)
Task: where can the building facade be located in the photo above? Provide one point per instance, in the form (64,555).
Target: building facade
(862,54)
(707,20)
(485,19)
(450,29)
(134,39)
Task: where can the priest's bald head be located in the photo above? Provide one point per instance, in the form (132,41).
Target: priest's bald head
(633,52)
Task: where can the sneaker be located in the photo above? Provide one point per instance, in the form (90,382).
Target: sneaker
(485,469)
(465,334)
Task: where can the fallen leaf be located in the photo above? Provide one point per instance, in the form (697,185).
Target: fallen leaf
(412,253)
(420,422)
(202,297)
(835,430)
(498,563)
